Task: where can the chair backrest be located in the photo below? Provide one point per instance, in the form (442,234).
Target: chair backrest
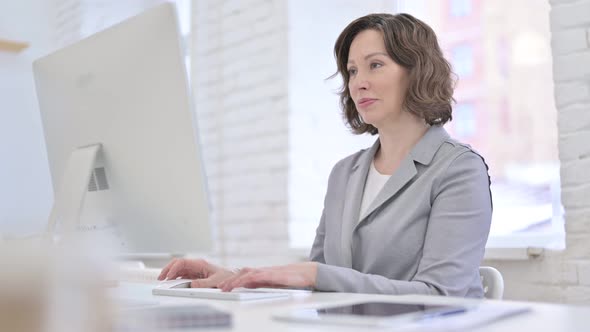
(492,281)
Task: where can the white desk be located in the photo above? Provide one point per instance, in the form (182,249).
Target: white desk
(256,315)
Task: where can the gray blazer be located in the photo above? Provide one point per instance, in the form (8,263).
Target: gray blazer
(424,233)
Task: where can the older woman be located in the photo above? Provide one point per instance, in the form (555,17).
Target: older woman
(411,214)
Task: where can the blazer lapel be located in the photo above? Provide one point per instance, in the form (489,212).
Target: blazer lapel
(352,201)
(405,172)
(422,152)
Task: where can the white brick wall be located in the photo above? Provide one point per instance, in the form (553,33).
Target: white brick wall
(565,276)
(239,71)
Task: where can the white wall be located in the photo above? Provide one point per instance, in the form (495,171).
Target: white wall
(25,185)
(565,276)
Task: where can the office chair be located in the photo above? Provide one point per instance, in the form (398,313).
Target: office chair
(493,282)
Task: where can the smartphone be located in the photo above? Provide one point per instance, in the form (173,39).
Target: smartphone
(372,313)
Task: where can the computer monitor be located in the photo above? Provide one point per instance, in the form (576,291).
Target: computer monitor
(119,131)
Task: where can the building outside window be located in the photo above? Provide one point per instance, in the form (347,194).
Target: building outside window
(460,8)
(462,60)
(464,122)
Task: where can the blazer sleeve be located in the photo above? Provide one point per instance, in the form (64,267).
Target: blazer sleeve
(454,244)
(317,250)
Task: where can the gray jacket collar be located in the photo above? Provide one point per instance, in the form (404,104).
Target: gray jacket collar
(423,152)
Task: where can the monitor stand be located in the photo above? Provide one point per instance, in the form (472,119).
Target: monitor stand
(69,201)
(69,198)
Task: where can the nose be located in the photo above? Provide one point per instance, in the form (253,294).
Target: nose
(359,82)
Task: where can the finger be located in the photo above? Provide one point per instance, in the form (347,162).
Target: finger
(241,280)
(258,284)
(176,269)
(198,267)
(204,283)
(166,269)
(236,275)
(226,282)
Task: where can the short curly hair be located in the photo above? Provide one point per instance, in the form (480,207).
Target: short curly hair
(413,45)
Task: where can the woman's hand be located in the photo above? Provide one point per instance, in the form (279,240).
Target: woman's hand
(203,273)
(299,275)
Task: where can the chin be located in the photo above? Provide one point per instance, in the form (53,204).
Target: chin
(373,121)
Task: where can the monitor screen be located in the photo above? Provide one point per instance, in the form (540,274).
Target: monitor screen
(124,91)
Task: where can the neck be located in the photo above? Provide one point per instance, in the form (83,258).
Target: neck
(397,139)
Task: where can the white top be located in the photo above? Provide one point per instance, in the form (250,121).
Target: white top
(373,185)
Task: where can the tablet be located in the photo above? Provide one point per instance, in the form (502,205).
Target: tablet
(385,314)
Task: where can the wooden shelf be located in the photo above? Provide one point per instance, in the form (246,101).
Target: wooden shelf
(12,46)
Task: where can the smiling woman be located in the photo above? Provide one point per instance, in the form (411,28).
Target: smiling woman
(409,215)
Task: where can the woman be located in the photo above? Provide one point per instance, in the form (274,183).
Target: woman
(411,214)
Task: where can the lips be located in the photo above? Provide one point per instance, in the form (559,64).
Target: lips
(366,102)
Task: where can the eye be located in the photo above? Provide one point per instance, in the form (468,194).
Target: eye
(351,71)
(375,65)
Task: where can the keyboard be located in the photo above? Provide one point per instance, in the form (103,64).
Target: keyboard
(148,275)
(238,294)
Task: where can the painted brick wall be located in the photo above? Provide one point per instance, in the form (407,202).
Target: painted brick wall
(239,81)
(565,276)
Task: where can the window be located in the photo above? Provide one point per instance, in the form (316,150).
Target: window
(462,60)
(464,120)
(460,8)
(514,123)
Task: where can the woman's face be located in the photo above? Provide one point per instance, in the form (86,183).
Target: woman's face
(377,84)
